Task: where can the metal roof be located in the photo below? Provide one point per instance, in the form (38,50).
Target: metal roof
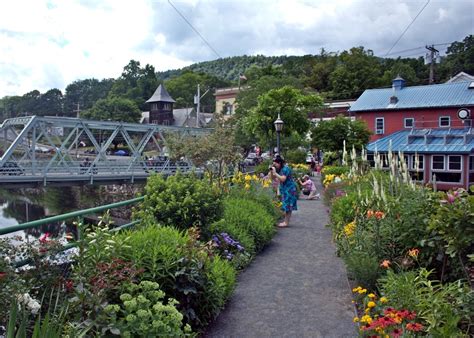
(428,141)
(160,95)
(456,94)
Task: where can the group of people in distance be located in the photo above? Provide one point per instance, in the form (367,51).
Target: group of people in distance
(281,173)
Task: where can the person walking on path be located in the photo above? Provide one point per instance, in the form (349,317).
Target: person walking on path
(309,188)
(288,192)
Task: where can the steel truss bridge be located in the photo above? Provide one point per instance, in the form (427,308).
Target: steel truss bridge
(45,150)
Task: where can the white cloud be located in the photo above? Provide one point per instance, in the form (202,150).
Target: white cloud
(50,43)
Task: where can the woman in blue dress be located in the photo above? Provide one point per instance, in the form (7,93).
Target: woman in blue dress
(288,191)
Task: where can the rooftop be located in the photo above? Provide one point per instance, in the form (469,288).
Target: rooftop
(455,94)
(440,140)
(161,95)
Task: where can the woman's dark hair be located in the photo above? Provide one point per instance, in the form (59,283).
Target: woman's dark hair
(278,159)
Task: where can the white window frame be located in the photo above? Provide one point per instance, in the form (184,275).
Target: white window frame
(432,162)
(443,117)
(448,164)
(413,161)
(412,119)
(378,131)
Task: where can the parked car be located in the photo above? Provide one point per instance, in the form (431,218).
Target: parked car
(252,159)
(121,153)
(11,169)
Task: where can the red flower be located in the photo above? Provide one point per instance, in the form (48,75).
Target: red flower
(2,274)
(69,285)
(414,327)
(396,333)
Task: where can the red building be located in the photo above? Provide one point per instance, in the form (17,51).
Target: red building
(430,125)
(388,110)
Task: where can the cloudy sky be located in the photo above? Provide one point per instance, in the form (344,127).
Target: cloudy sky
(48,44)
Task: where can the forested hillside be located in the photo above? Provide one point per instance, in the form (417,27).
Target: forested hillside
(332,75)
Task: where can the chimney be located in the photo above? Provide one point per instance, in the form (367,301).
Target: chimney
(398,83)
(393,99)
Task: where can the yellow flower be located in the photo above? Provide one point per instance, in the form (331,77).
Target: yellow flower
(356,319)
(383,300)
(247,186)
(361,291)
(247,178)
(413,253)
(349,228)
(366,319)
(356,289)
(371,304)
(371,296)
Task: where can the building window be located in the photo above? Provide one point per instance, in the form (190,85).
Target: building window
(154,122)
(154,106)
(471,163)
(444,121)
(409,122)
(379,125)
(437,162)
(167,106)
(454,162)
(420,162)
(370,159)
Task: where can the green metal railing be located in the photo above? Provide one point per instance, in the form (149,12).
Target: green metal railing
(75,214)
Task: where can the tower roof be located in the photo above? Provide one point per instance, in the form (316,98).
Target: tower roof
(160,95)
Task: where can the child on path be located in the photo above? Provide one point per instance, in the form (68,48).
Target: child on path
(309,187)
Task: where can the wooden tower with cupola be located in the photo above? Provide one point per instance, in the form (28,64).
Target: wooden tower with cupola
(161,107)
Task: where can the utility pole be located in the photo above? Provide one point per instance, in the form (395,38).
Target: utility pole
(431,59)
(197,102)
(198,105)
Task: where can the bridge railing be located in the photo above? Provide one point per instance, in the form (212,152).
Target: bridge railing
(71,215)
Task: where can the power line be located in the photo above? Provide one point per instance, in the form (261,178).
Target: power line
(405,50)
(406,29)
(194,29)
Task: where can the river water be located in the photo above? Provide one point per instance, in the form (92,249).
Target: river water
(18,206)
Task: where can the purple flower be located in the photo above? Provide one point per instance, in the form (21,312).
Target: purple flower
(216,240)
(239,247)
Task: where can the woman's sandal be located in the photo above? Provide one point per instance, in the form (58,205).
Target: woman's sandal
(282,225)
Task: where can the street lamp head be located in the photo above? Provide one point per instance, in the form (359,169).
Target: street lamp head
(278,124)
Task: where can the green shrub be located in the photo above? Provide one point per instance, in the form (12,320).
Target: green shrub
(142,313)
(251,217)
(180,201)
(363,267)
(236,232)
(184,269)
(262,196)
(295,156)
(262,168)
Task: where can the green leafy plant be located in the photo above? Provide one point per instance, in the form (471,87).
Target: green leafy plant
(143,312)
(180,201)
(363,267)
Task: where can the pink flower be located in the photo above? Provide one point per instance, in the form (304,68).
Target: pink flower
(451,198)
(44,238)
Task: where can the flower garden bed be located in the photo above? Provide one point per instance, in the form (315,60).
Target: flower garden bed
(169,276)
(408,251)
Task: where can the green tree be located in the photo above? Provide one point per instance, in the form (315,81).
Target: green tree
(357,70)
(113,109)
(404,70)
(83,94)
(135,83)
(459,58)
(51,103)
(183,88)
(292,104)
(330,135)
(215,152)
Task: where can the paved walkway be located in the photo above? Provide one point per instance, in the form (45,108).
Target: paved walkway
(296,287)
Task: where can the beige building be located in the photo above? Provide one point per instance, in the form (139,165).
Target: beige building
(225,100)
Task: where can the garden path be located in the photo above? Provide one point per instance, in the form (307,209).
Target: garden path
(296,287)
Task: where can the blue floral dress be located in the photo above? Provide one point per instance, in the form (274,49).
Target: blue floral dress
(288,191)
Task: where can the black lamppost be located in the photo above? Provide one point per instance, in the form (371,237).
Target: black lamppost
(278,127)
